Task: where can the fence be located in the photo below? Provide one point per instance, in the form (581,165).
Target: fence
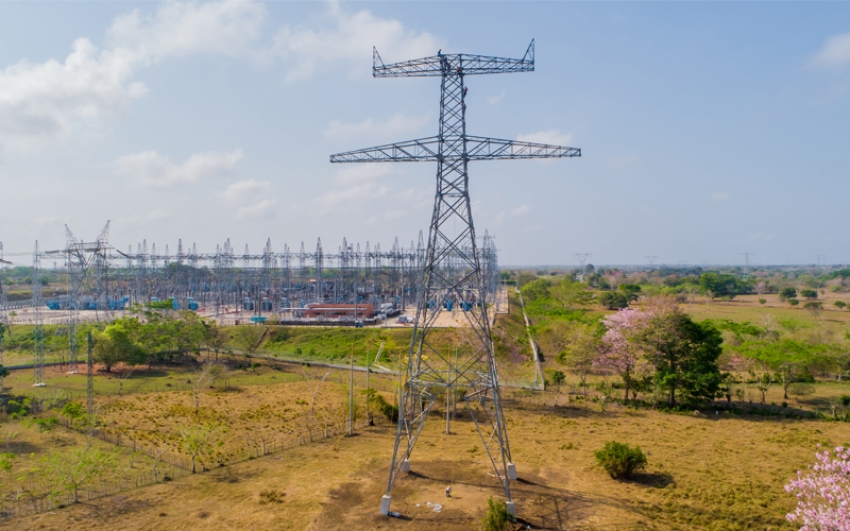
(174,466)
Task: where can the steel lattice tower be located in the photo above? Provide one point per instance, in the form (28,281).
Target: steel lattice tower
(454,278)
(87,263)
(38,329)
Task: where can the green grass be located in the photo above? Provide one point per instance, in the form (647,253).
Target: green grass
(139,381)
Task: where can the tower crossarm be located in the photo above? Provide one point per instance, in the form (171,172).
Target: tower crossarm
(478,148)
(436,65)
(423,149)
(481,148)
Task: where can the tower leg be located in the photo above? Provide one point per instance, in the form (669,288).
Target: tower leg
(385,504)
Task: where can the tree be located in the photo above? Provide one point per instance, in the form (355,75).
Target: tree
(115,345)
(631,291)
(809,293)
(524,278)
(249,338)
(721,284)
(215,338)
(536,289)
(571,295)
(196,440)
(558,378)
(789,359)
(578,346)
(204,375)
(619,351)
(72,469)
(613,300)
(840,305)
(683,353)
(823,492)
(787,293)
(73,411)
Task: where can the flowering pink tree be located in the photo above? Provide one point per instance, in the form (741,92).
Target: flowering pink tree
(620,353)
(823,493)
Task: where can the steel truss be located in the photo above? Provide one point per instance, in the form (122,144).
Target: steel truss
(87,266)
(456,273)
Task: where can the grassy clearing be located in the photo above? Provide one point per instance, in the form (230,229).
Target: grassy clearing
(29,477)
(705,472)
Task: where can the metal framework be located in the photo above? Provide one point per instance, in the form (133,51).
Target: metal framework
(3,321)
(38,329)
(101,280)
(453,273)
(87,270)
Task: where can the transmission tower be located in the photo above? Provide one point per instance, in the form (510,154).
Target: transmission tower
(3,322)
(651,260)
(747,264)
(452,275)
(38,330)
(87,277)
(582,259)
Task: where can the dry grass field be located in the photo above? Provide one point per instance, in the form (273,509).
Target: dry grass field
(705,471)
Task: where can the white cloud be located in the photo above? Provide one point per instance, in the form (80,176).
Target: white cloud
(251,198)
(45,102)
(41,103)
(179,29)
(520,210)
(718,197)
(493,100)
(835,53)
(351,39)
(358,173)
(396,124)
(264,208)
(152,169)
(244,190)
(551,136)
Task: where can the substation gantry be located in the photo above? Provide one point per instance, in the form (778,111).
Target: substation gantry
(453,276)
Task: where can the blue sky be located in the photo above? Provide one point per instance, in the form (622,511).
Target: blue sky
(707,129)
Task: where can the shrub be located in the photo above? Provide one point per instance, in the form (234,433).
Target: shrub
(793,302)
(762,301)
(840,305)
(620,460)
(498,518)
(558,377)
(809,293)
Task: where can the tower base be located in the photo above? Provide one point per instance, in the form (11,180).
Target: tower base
(511,471)
(385,504)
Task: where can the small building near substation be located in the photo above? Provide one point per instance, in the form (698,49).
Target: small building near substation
(339,311)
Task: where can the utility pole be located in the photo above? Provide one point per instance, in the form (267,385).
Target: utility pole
(89,376)
(351,396)
(453,273)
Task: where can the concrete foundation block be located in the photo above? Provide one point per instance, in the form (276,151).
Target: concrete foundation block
(385,504)
(511,507)
(405,466)
(511,471)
